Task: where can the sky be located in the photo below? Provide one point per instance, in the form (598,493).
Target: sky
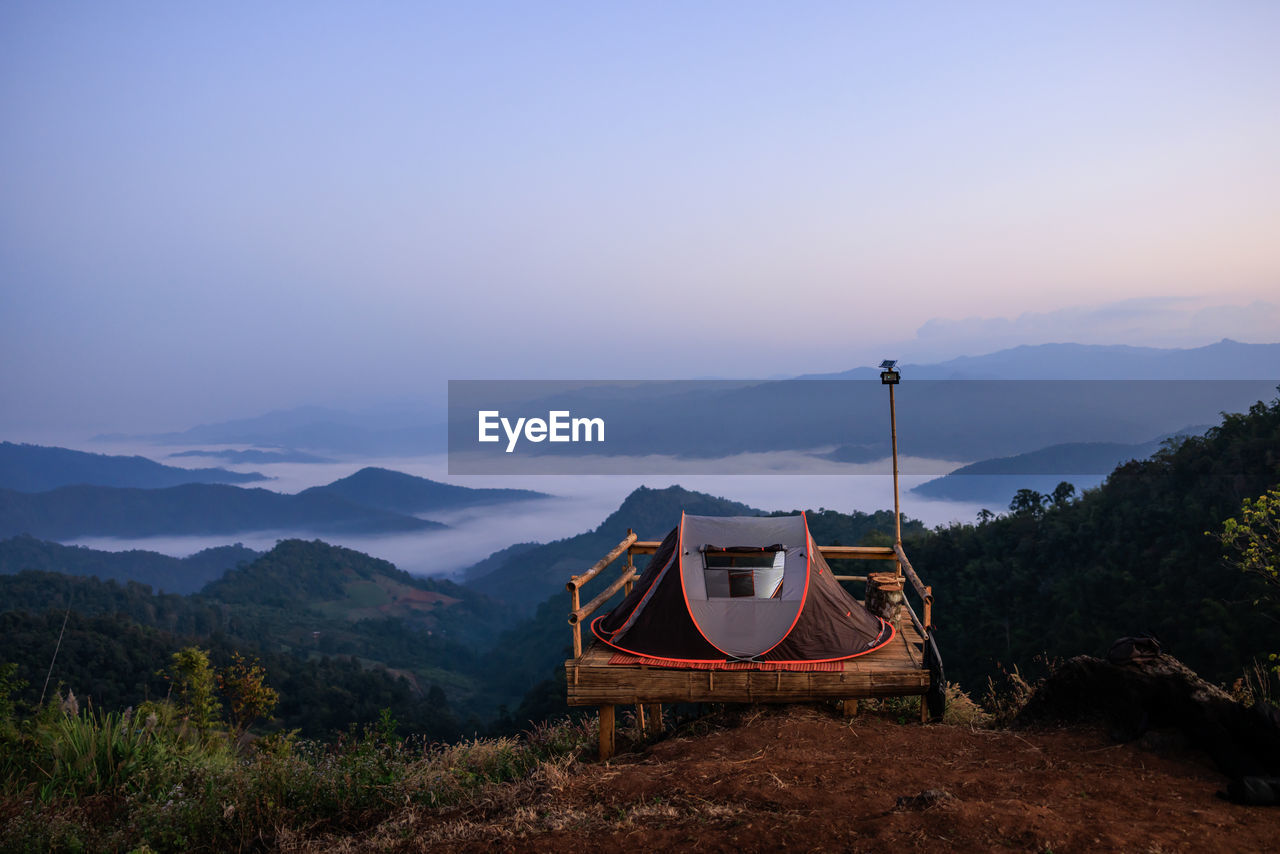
(210,210)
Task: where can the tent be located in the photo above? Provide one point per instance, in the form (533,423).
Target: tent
(740,588)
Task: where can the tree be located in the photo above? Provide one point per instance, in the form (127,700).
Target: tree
(194,675)
(1252,538)
(243,684)
(1027,502)
(1062,494)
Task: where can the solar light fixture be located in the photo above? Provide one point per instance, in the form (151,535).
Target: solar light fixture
(888,372)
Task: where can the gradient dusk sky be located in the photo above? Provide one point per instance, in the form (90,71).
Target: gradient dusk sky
(209,210)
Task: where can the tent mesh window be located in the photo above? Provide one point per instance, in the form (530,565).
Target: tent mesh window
(743,572)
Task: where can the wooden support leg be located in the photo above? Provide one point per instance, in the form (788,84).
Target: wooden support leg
(924,710)
(655,719)
(849,707)
(640,721)
(606,732)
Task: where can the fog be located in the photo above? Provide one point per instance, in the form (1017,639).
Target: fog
(579,503)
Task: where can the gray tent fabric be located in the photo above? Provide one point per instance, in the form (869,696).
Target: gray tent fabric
(746,588)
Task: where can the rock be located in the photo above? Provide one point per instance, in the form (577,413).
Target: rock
(1161,693)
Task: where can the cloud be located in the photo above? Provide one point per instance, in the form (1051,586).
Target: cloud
(1145,321)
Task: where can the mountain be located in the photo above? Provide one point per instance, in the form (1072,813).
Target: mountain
(531,575)
(308,600)
(80,511)
(36,468)
(255,456)
(405,493)
(1225,360)
(162,572)
(341,583)
(994,481)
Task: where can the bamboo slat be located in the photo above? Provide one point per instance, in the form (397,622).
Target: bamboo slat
(857,552)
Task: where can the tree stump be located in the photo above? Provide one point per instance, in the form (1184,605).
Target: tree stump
(884,596)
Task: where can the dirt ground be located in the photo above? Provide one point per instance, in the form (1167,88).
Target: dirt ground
(805,779)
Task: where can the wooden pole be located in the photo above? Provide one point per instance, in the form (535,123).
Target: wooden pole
(606,732)
(631,567)
(655,719)
(640,721)
(897,513)
(577,628)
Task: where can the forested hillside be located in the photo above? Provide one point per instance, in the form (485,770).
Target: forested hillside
(162,572)
(1130,556)
(302,606)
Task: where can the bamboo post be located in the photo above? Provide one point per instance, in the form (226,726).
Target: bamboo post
(897,514)
(577,628)
(924,710)
(640,722)
(849,707)
(631,567)
(606,732)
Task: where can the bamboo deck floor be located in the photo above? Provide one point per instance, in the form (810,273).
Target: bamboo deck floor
(895,670)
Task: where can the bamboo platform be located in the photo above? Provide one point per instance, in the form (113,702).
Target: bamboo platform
(898,669)
(895,670)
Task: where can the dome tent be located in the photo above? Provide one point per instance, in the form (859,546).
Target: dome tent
(744,588)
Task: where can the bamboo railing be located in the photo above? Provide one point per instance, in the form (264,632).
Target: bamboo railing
(580,612)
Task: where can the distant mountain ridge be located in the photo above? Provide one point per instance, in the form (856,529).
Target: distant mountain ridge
(373,500)
(1083,464)
(254,456)
(197,508)
(38,468)
(417,431)
(162,572)
(406,493)
(1225,360)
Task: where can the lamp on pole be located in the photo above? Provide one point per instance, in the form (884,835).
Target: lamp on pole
(889,376)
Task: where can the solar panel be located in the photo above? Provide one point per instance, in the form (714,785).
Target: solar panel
(887,364)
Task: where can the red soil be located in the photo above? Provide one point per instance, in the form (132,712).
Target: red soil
(803,779)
